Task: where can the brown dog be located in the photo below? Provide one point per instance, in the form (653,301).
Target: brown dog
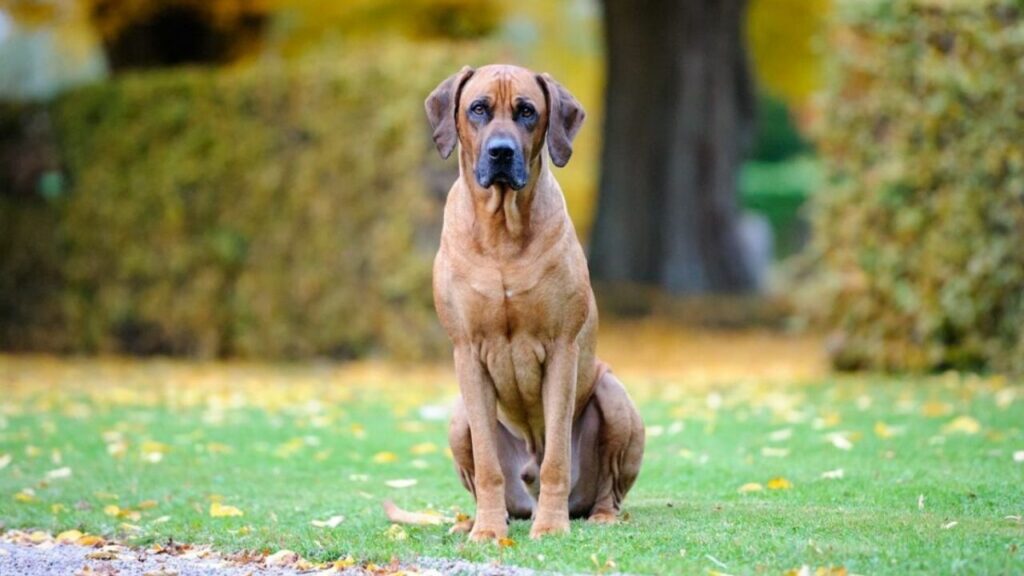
(512,289)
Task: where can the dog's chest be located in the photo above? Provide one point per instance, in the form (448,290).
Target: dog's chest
(515,315)
(517,298)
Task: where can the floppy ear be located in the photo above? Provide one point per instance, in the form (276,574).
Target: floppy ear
(442,106)
(565,117)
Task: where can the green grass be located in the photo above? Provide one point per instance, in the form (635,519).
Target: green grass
(291,445)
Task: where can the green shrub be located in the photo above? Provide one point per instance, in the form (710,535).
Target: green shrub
(777,138)
(266,211)
(919,234)
(779,191)
(29,251)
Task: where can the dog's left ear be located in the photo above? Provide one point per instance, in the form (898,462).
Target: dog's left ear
(442,106)
(565,117)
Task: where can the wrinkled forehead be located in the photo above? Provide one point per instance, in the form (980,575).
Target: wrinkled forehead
(503,86)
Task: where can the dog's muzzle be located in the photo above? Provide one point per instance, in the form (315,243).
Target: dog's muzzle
(501,162)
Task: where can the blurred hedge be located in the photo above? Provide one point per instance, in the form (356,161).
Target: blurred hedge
(270,211)
(920,232)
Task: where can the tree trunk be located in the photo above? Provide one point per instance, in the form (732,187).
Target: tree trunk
(679,112)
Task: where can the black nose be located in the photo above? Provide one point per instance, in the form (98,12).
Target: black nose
(501,149)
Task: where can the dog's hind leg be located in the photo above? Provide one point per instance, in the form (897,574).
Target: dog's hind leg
(620,447)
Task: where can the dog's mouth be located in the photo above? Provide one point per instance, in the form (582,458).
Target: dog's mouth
(505,177)
(508,169)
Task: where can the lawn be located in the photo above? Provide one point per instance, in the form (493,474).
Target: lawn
(761,473)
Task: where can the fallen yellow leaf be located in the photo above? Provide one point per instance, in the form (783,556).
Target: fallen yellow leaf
(59,473)
(218,510)
(89,540)
(827,420)
(840,440)
(218,448)
(935,409)
(836,474)
(750,487)
(26,495)
(153,452)
(385,457)
(779,483)
(282,558)
(424,448)
(117,449)
(331,522)
(69,536)
(962,424)
(396,532)
(149,447)
(290,448)
(346,562)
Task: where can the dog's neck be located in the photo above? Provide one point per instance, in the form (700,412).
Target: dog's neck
(504,217)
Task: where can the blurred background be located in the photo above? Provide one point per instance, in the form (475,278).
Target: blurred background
(256,179)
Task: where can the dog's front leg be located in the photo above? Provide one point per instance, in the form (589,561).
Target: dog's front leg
(479,397)
(558,394)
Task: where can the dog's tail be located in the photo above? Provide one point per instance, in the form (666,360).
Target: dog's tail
(400,516)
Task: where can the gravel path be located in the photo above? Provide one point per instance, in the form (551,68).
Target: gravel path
(50,559)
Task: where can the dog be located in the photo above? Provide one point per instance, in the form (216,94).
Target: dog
(542,428)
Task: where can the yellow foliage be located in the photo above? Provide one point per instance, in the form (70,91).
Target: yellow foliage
(783,43)
(30,12)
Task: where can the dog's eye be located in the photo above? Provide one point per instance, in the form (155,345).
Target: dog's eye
(526,111)
(479,109)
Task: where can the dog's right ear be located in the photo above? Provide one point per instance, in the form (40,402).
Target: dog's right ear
(442,106)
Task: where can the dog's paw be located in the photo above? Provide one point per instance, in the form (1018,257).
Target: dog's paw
(543,528)
(481,533)
(603,518)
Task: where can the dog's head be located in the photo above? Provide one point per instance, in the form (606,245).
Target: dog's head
(502,116)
